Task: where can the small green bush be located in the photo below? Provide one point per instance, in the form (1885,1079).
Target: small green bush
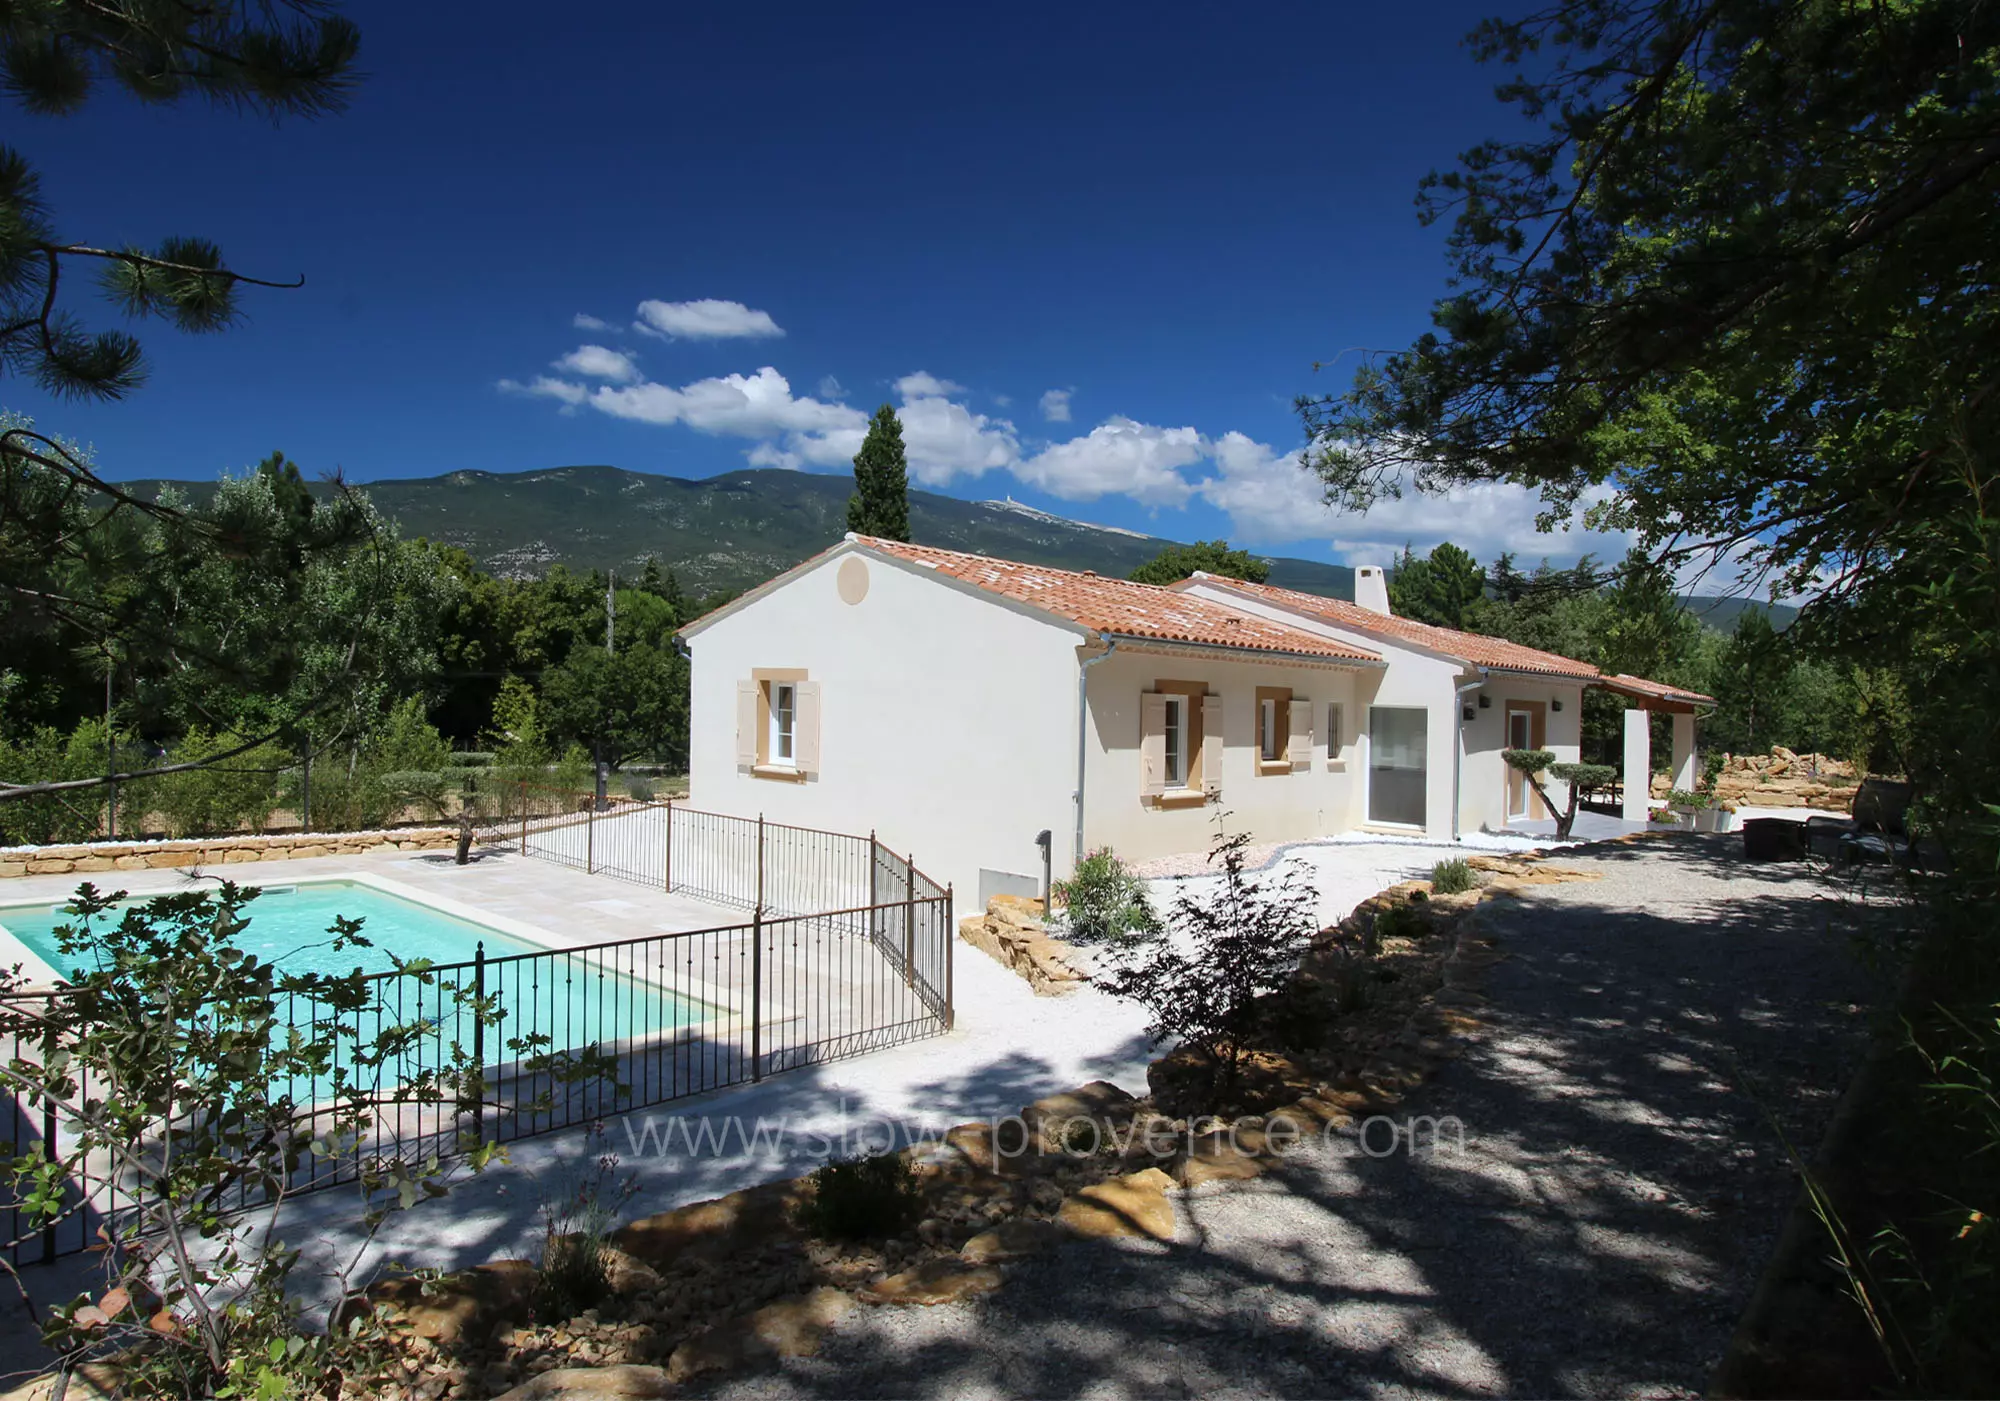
(639,788)
(1683,798)
(1105,903)
(861,1198)
(235,795)
(1453,877)
(1406,921)
(472,759)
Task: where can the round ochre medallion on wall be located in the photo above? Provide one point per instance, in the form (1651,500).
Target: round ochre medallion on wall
(852,578)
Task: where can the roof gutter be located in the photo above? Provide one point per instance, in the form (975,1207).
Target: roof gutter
(1315,658)
(1458,744)
(1083,733)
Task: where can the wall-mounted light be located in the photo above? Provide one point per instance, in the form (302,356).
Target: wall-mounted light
(1556,706)
(1485,702)
(1469,712)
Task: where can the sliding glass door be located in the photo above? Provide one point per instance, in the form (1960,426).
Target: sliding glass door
(1398,768)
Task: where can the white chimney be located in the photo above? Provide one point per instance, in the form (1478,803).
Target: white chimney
(1371,588)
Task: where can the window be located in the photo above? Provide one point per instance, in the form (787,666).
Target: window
(1283,734)
(1180,744)
(784,706)
(777,724)
(1398,765)
(1336,732)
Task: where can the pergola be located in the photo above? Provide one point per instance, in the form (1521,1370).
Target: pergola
(1645,697)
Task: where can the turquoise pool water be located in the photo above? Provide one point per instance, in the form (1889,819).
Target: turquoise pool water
(576,999)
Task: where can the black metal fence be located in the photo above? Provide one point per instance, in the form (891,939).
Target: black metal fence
(665,1015)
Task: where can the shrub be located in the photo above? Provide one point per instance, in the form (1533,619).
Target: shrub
(577,1214)
(1105,903)
(47,755)
(1684,798)
(1238,941)
(1532,763)
(639,787)
(234,794)
(1453,877)
(472,759)
(408,742)
(861,1198)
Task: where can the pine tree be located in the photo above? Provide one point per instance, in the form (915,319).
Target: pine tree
(880,505)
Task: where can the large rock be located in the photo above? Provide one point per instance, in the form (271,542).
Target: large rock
(625,1382)
(1133,1205)
(1011,1240)
(1100,1102)
(787,1328)
(794,1327)
(1011,934)
(713,1230)
(466,1306)
(941,1281)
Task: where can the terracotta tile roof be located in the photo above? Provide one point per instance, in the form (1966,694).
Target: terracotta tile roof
(1642,689)
(1473,647)
(1121,607)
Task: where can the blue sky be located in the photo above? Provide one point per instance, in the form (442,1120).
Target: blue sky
(1092,252)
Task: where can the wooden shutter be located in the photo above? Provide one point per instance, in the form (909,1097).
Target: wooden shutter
(1152,744)
(805,726)
(1300,748)
(746,724)
(1211,741)
(1334,727)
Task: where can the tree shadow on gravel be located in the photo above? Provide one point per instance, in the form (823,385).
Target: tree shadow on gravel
(1620,1185)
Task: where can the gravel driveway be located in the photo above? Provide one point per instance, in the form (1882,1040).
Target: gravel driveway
(1619,1188)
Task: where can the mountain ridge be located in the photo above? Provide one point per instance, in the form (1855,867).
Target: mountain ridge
(738,528)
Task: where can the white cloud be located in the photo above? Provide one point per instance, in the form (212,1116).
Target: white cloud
(1055,405)
(545,387)
(584,321)
(831,388)
(599,362)
(1272,500)
(745,406)
(706,320)
(924,385)
(947,440)
(1118,457)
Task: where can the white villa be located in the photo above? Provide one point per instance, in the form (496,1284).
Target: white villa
(959,706)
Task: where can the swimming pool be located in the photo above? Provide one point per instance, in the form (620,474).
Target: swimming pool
(579,998)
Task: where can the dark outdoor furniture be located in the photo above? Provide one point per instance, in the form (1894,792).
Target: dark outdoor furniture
(1774,839)
(1877,828)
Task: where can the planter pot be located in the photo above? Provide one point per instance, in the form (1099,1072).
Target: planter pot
(1711,820)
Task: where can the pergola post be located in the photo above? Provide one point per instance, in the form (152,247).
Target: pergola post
(1685,766)
(1638,766)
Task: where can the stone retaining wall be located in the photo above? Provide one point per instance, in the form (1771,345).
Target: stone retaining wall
(214,851)
(1780,779)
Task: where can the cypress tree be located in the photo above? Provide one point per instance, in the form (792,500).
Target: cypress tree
(880,505)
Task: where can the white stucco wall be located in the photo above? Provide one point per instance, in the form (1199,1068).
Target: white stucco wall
(948,721)
(1483,798)
(1308,802)
(1413,679)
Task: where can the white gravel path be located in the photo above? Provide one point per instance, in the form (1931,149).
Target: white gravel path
(1618,1193)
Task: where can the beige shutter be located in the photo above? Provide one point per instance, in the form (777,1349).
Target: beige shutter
(1300,750)
(746,724)
(1211,741)
(805,726)
(1152,744)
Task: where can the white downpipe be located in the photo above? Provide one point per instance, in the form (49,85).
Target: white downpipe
(1083,734)
(1458,745)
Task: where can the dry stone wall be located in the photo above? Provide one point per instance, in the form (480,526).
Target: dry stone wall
(1780,779)
(214,851)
